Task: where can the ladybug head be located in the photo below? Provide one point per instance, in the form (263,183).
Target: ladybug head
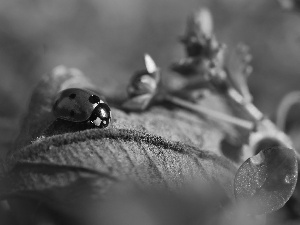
(101,115)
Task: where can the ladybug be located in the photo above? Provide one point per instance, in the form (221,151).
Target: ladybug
(79,105)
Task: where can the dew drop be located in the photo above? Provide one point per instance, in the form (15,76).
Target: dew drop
(289,178)
(38,139)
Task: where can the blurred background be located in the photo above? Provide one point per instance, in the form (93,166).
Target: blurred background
(106,39)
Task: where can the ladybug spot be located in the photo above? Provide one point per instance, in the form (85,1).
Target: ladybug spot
(72,113)
(94,99)
(72,96)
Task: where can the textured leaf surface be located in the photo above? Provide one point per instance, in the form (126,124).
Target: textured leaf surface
(50,171)
(267,180)
(120,153)
(169,122)
(160,148)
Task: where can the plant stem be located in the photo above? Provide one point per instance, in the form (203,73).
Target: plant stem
(285,107)
(248,125)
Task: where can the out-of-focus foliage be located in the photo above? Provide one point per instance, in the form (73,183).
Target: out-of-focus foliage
(290,4)
(143,86)
(104,38)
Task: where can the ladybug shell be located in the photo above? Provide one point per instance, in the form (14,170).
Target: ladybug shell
(75,105)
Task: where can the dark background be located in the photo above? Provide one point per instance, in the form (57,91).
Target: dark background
(106,39)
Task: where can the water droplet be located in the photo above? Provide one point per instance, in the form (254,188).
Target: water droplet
(38,139)
(289,178)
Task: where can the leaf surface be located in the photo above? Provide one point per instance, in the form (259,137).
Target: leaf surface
(266,181)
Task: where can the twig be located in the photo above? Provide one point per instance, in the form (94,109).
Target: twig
(285,106)
(248,125)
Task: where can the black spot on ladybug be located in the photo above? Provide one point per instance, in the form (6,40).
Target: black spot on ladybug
(94,99)
(72,113)
(72,96)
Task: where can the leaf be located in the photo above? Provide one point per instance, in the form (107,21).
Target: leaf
(9,131)
(188,66)
(138,103)
(202,47)
(142,83)
(266,181)
(200,24)
(52,169)
(150,64)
